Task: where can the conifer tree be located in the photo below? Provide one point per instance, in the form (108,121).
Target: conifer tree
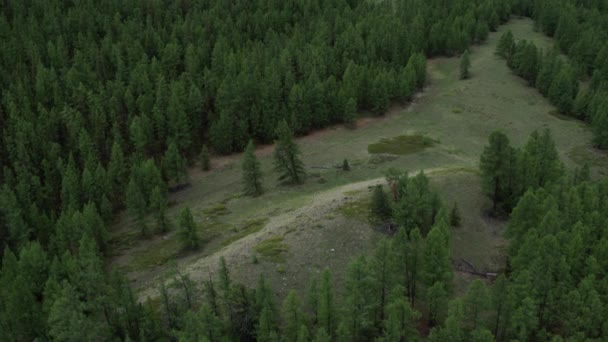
(475,303)
(326,316)
(174,165)
(158,205)
(252,173)
(599,124)
(136,205)
(381,206)
(465,64)
(400,324)
(455,216)
(563,91)
(187,234)
(292,317)
(437,264)
(287,156)
(498,170)
(303,334)
(350,112)
(204,159)
(345,165)
(505,45)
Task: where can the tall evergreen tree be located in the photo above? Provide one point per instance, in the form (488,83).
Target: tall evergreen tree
(505,45)
(174,165)
(187,233)
(252,173)
(498,171)
(204,159)
(136,205)
(287,156)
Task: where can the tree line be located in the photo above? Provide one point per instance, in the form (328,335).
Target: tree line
(580,33)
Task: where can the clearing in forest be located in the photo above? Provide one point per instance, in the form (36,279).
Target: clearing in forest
(290,233)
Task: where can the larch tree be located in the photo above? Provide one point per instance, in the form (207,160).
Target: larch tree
(498,169)
(287,156)
(136,205)
(187,233)
(158,205)
(252,173)
(174,165)
(204,159)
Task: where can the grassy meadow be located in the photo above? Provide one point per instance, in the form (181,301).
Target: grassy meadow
(291,233)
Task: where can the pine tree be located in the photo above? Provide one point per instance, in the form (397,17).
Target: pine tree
(599,124)
(465,64)
(357,315)
(436,297)
(326,316)
(400,324)
(287,156)
(563,91)
(436,256)
(252,173)
(350,113)
(455,216)
(174,165)
(158,205)
(505,45)
(293,317)
(136,205)
(187,234)
(476,301)
(345,166)
(381,206)
(497,169)
(204,158)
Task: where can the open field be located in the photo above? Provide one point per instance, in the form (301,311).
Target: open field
(305,226)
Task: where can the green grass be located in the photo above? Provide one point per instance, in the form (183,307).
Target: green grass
(458,115)
(216,210)
(401,145)
(272,249)
(249,227)
(358,209)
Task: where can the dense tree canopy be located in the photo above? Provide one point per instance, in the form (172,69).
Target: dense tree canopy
(105,103)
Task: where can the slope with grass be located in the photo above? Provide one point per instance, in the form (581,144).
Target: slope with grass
(451,121)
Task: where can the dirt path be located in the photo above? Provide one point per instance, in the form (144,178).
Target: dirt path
(316,205)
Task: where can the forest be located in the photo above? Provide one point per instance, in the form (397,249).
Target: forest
(106,106)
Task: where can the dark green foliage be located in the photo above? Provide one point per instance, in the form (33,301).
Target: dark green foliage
(455,216)
(506,45)
(136,205)
(158,206)
(252,174)
(204,159)
(187,233)
(174,166)
(465,65)
(563,89)
(287,156)
(345,165)
(417,204)
(380,206)
(498,169)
